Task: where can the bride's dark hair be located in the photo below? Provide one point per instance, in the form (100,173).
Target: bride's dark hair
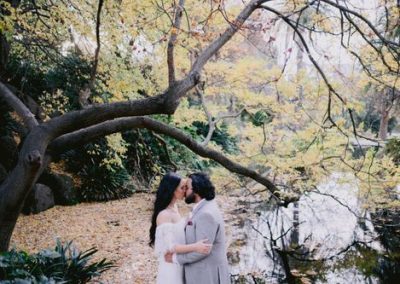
(165,193)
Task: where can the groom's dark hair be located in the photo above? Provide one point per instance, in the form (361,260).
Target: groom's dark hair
(202,185)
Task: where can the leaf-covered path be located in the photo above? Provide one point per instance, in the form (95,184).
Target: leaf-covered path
(119,229)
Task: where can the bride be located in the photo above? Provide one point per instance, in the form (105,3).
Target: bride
(167,229)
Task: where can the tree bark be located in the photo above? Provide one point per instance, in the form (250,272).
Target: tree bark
(24,112)
(4,51)
(384,124)
(20,181)
(172,40)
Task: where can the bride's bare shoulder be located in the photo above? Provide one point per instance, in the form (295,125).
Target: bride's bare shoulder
(165,216)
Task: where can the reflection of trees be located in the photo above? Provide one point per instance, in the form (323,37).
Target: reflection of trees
(299,261)
(279,247)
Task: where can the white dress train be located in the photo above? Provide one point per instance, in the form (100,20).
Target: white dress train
(167,236)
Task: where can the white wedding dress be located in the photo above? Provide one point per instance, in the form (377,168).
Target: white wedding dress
(167,236)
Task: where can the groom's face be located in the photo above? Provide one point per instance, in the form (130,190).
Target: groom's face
(190,195)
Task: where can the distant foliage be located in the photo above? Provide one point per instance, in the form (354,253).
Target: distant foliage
(63,264)
(220,136)
(392,149)
(185,158)
(6,24)
(150,155)
(371,121)
(54,104)
(146,155)
(102,184)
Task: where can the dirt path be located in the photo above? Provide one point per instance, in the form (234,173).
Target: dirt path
(119,229)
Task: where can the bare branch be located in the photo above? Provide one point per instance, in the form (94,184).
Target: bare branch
(13,101)
(172,41)
(305,45)
(389,43)
(96,55)
(378,51)
(227,35)
(212,122)
(317,191)
(320,71)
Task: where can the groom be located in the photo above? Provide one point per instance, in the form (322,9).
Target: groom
(205,222)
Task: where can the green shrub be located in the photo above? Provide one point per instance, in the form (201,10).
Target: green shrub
(69,74)
(261,117)
(100,183)
(63,264)
(102,174)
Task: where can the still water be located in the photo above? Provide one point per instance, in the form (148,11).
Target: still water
(325,237)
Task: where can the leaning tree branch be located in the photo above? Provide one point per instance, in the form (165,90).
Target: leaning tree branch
(13,101)
(94,114)
(172,41)
(75,139)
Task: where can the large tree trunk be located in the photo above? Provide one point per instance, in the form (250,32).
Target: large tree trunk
(7,226)
(16,187)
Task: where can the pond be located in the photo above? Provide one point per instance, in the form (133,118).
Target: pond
(325,237)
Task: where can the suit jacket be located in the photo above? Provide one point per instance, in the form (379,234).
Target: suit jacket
(206,223)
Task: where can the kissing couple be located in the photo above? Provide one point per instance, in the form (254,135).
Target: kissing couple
(190,250)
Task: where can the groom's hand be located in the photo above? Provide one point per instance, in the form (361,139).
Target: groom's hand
(168,257)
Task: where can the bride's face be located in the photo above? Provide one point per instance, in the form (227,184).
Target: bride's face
(180,190)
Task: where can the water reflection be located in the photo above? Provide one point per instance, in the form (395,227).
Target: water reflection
(325,237)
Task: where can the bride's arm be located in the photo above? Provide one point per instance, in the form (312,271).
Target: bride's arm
(200,247)
(168,244)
